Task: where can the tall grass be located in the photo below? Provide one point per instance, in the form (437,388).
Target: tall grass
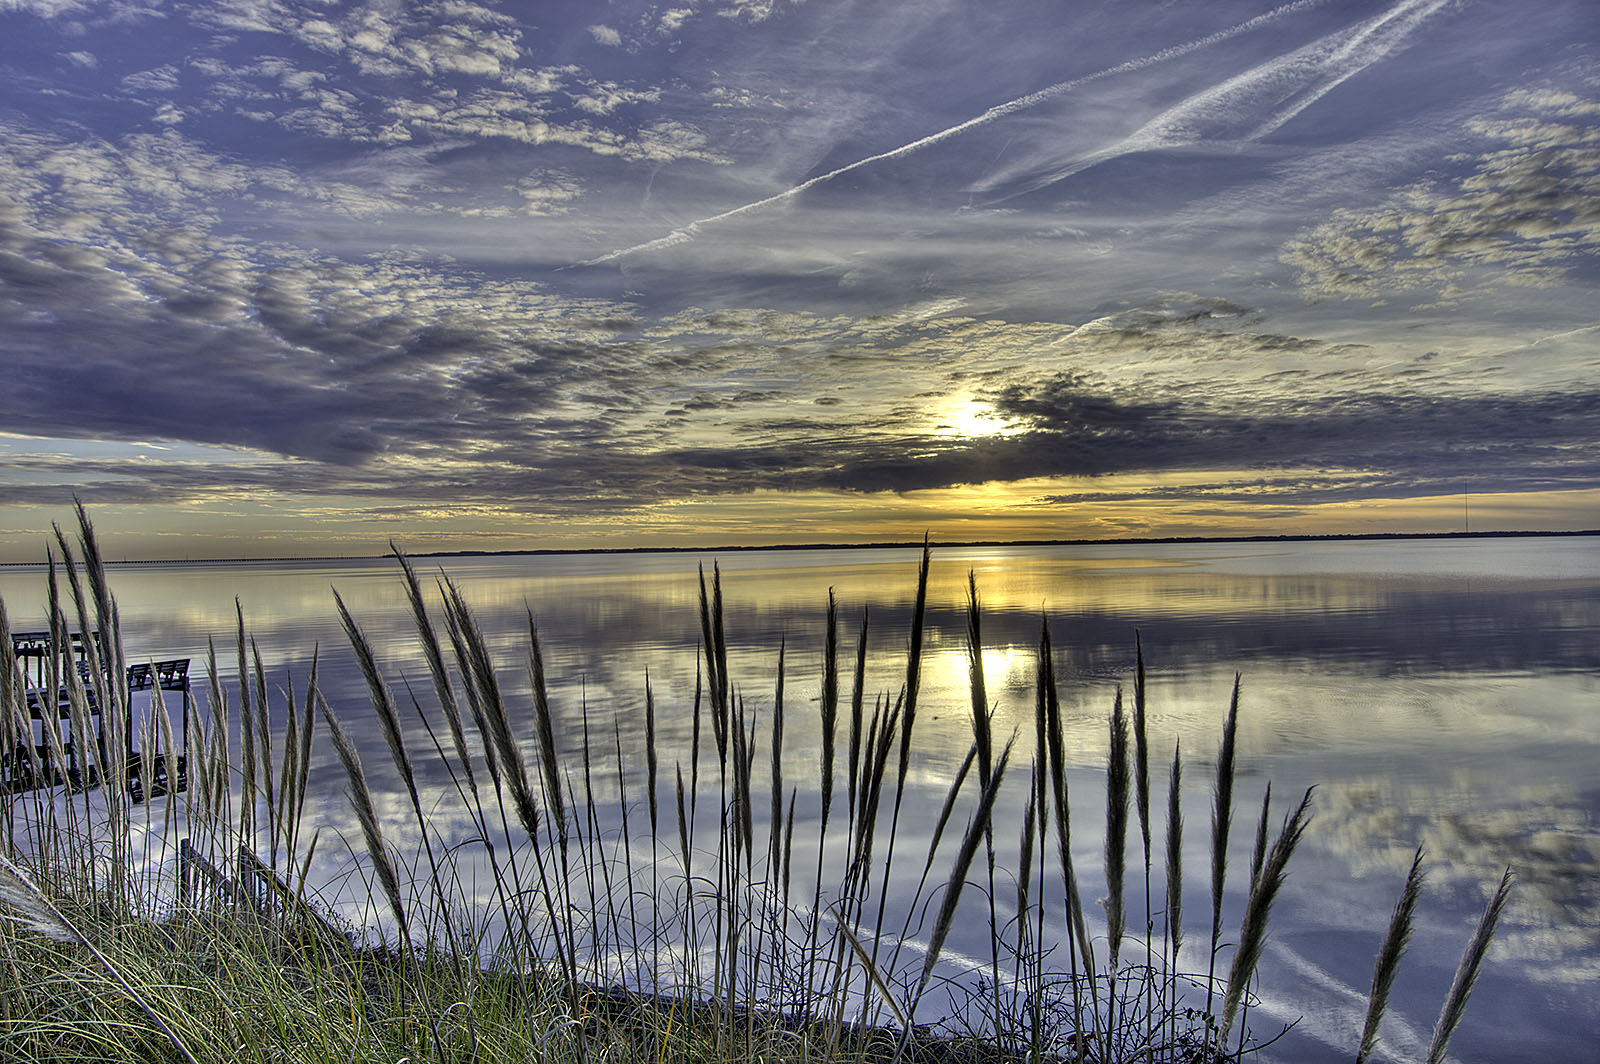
(546,933)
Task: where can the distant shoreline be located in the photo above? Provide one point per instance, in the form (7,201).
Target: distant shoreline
(882,545)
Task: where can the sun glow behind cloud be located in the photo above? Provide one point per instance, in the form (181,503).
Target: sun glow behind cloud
(968,419)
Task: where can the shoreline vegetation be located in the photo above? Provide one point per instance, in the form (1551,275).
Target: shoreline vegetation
(698,931)
(1337,537)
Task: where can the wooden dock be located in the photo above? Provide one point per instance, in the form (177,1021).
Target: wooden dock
(58,684)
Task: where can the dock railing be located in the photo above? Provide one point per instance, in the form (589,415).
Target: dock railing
(42,667)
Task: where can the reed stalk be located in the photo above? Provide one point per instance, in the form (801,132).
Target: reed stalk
(1253,930)
(263,726)
(1389,954)
(367,818)
(247,737)
(433,654)
(1455,1002)
(976,829)
(982,727)
(775,814)
(1079,949)
(1116,850)
(1116,826)
(829,713)
(1141,792)
(652,767)
(308,720)
(1175,873)
(907,720)
(1221,823)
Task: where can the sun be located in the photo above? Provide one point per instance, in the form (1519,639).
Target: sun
(972,419)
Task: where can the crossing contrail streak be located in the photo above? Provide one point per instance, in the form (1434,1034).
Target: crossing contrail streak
(993,114)
(1297,80)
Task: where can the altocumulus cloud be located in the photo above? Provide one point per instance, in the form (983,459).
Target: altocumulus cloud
(1526,213)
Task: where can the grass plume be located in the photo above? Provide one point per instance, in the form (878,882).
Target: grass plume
(1389,954)
(1455,1002)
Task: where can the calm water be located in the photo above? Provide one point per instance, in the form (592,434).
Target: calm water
(1443,693)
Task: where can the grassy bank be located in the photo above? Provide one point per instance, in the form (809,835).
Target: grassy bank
(576,919)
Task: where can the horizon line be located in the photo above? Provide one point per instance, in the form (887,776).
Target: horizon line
(1260,537)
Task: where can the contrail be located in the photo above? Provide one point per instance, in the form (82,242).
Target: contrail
(1390,30)
(993,114)
(1292,82)
(1560,335)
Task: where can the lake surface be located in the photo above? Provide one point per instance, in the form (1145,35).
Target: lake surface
(1442,693)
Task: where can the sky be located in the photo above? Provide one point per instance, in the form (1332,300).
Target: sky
(300,277)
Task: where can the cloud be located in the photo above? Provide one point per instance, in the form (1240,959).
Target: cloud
(103,190)
(1412,443)
(116,287)
(1527,213)
(672,20)
(606,35)
(385,379)
(1248,106)
(548,193)
(993,114)
(45,8)
(162,79)
(607,97)
(751,10)
(423,73)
